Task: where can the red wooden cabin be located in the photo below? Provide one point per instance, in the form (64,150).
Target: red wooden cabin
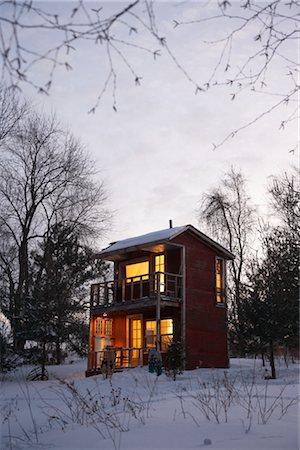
(169,284)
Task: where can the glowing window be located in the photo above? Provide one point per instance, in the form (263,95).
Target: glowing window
(98,329)
(166,326)
(108,327)
(150,337)
(160,267)
(166,333)
(138,271)
(220,281)
(103,326)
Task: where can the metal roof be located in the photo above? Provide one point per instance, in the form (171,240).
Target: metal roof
(159,236)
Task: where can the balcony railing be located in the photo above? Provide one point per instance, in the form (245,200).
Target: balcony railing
(125,357)
(168,285)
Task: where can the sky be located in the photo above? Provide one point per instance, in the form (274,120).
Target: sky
(155,153)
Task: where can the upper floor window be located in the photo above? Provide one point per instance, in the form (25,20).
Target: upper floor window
(159,263)
(220,280)
(137,271)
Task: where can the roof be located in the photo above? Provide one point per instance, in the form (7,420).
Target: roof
(158,237)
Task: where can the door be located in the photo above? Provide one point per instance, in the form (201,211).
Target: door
(135,340)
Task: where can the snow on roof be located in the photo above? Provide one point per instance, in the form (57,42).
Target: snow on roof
(155,236)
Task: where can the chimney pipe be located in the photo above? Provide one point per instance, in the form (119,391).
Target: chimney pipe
(170,224)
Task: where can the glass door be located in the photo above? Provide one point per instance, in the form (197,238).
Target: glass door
(135,339)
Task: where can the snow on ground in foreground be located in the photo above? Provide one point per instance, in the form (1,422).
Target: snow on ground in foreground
(138,410)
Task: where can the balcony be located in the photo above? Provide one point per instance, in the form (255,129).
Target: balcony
(146,288)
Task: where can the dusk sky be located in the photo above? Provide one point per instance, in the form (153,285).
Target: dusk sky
(155,154)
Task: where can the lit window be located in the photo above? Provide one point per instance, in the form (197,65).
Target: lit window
(150,337)
(166,326)
(137,271)
(103,326)
(108,327)
(166,333)
(98,325)
(160,267)
(220,281)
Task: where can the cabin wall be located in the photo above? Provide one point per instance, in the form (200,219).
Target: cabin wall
(206,322)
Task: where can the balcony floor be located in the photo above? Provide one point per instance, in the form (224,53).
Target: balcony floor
(142,303)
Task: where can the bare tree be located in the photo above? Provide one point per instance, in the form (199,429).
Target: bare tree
(102,26)
(269,65)
(44,177)
(285,199)
(227,212)
(12,110)
(271,30)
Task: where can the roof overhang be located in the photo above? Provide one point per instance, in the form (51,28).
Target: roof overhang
(162,241)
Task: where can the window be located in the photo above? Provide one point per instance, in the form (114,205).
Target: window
(220,281)
(137,271)
(166,333)
(150,337)
(98,325)
(103,326)
(159,264)
(108,327)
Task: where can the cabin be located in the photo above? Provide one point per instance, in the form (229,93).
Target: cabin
(166,285)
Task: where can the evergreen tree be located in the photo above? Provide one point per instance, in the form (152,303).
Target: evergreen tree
(174,362)
(271,313)
(59,303)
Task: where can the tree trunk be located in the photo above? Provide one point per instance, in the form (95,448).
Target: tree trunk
(43,361)
(19,298)
(272,362)
(58,351)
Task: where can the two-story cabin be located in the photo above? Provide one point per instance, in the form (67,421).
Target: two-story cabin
(169,284)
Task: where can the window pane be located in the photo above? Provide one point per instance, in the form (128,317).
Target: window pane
(108,327)
(98,325)
(166,326)
(220,280)
(135,271)
(160,267)
(166,341)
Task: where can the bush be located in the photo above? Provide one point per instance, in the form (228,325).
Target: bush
(174,362)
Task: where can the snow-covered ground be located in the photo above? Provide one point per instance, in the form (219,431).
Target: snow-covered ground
(205,408)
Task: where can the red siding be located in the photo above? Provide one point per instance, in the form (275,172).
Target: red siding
(206,330)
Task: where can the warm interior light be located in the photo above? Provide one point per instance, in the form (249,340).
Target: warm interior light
(166,326)
(160,267)
(219,280)
(137,271)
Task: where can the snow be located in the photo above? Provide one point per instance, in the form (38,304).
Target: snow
(155,236)
(73,412)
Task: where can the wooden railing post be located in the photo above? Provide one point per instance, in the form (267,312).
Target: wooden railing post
(141,287)
(123,289)
(158,313)
(129,357)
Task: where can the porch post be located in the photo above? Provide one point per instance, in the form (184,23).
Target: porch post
(158,312)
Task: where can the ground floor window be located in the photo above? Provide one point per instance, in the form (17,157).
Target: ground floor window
(103,326)
(166,333)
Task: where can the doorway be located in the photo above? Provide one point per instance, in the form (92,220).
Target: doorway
(135,339)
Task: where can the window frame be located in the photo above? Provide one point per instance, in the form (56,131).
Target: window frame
(102,329)
(162,287)
(161,335)
(136,261)
(222,291)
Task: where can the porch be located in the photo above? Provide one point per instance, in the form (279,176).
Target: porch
(126,358)
(163,286)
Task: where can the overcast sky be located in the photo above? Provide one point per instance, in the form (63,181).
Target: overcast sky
(155,153)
